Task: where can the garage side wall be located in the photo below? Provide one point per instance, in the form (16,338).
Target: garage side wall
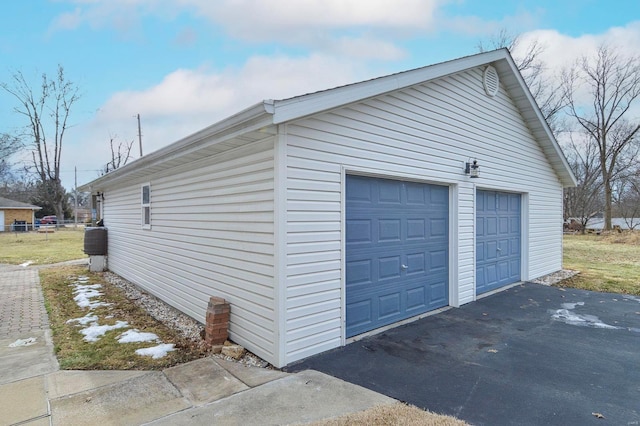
(423,133)
(211,235)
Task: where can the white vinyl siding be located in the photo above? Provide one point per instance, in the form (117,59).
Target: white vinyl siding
(212,235)
(426,133)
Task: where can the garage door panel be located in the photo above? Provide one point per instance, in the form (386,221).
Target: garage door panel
(389,193)
(359,313)
(389,230)
(490,226)
(416,298)
(389,267)
(359,231)
(498,240)
(389,305)
(407,249)
(360,271)
(439,292)
(416,263)
(416,229)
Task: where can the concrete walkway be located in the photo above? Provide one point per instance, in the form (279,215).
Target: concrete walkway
(33,391)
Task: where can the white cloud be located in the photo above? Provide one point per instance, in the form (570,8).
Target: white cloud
(345,27)
(561,50)
(186,101)
(254,19)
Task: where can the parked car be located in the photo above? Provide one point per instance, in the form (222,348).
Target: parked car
(49,220)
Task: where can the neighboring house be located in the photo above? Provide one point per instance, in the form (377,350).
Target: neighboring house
(12,212)
(336,213)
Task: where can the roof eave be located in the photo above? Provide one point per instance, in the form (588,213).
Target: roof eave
(255,116)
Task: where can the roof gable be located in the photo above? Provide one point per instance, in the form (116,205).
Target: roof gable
(270,113)
(6,203)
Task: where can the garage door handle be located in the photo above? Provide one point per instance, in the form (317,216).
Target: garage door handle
(405,267)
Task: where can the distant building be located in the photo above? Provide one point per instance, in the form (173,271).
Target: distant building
(14,213)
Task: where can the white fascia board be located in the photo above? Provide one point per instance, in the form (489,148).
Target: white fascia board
(252,118)
(313,103)
(551,146)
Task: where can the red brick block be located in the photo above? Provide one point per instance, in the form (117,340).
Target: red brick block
(217,321)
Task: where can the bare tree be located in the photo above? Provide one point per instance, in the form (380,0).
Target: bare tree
(627,198)
(46,110)
(9,145)
(584,201)
(120,155)
(534,72)
(612,84)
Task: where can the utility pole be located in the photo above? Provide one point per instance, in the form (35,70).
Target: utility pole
(139,135)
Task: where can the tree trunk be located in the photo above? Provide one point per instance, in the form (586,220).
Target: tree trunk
(607,205)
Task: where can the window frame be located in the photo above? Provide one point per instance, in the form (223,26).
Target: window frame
(145,207)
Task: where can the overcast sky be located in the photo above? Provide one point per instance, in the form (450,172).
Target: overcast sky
(185,64)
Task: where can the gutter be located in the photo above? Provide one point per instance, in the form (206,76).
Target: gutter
(260,114)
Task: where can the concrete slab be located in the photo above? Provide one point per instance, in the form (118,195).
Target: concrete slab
(251,376)
(23,400)
(135,401)
(26,361)
(304,397)
(204,381)
(6,341)
(67,383)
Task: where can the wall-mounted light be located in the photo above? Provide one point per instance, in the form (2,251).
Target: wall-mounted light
(100,195)
(472,169)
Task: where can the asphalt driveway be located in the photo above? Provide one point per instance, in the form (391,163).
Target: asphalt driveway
(530,355)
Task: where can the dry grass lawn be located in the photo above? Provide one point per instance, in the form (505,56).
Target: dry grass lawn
(397,414)
(609,263)
(42,248)
(74,353)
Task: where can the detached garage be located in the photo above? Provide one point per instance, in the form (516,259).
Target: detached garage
(337,213)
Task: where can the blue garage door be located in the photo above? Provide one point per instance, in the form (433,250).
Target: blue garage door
(497,240)
(397,251)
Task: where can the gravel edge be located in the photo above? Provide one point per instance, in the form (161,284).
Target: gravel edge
(188,327)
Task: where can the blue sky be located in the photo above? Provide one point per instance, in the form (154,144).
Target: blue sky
(185,64)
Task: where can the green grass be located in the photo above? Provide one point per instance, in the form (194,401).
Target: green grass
(74,353)
(42,248)
(609,263)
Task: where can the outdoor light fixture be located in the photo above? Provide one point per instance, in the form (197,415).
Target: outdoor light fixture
(472,169)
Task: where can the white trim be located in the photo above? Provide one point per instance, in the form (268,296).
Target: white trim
(301,106)
(343,255)
(474,247)
(452,242)
(280,242)
(524,236)
(454,222)
(383,174)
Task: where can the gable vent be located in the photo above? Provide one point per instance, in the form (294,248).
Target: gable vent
(490,81)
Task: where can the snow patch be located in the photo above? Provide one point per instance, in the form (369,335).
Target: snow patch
(156,351)
(84,320)
(84,294)
(571,305)
(567,316)
(134,336)
(23,342)
(94,332)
